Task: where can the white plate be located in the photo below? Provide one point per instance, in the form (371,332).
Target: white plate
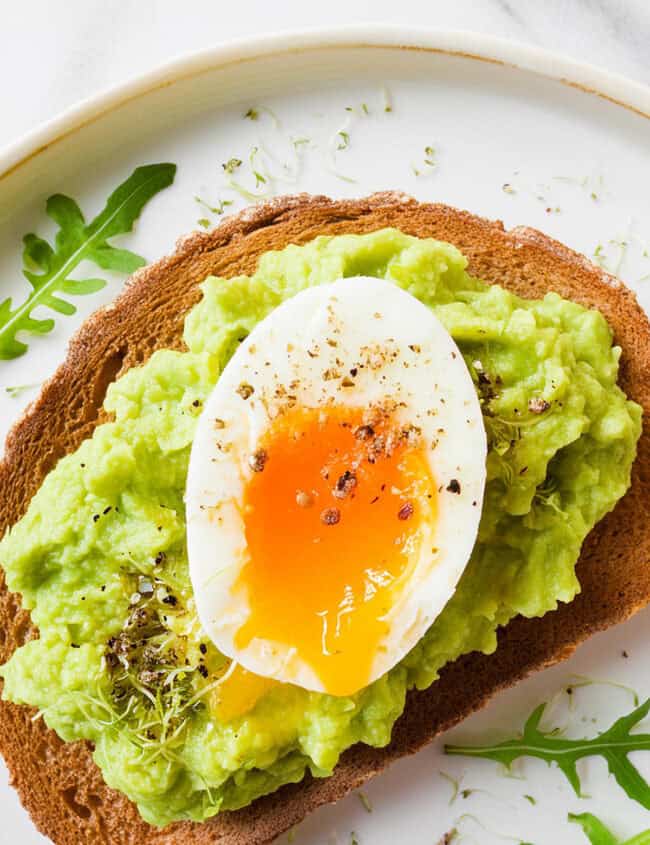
(496,114)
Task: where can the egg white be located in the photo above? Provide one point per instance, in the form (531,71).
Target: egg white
(424,371)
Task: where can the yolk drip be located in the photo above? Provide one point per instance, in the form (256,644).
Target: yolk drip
(238,694)
(333,515)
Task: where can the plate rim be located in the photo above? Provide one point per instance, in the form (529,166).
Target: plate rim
(588,78)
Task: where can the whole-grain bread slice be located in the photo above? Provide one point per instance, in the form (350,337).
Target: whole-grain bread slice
(59,783)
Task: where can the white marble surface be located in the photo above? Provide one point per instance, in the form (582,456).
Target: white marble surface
(53,54)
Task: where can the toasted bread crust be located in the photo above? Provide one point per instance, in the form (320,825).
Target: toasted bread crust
(59,783)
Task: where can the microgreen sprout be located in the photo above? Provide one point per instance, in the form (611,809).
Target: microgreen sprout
(219,208)
(17,390)
(455,786)
(231,165)
(365,801)
(344,143)
(429,162)
(387,98)
(254,113)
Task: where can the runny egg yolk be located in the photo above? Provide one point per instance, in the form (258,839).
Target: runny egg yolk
(333,516)
(238,693)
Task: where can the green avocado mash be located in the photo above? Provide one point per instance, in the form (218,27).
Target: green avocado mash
(100,556)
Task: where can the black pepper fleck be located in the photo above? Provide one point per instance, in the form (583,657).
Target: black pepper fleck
(245,390)
(330,516)
(453,486)
(406,511)
(257,461)
(112,660)
(345,484)
(364,432)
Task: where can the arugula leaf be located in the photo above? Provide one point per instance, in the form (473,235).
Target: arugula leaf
(598,834)
(596,831)
(614,745)
(47,268)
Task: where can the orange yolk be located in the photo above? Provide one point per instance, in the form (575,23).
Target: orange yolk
(238,693)
(333,524)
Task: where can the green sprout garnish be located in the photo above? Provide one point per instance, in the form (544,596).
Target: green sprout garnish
(580,681)
(365,801)
(18,389)
(254,113)
(612,263)
(429,162)
(214,209)
(388,100)
(260,179)
(455,786)
(231,165)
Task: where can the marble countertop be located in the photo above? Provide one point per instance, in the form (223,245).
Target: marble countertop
(55,54)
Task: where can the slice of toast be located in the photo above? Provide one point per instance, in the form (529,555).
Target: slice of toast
(59,783)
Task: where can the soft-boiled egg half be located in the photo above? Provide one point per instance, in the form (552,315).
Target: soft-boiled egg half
(335,487)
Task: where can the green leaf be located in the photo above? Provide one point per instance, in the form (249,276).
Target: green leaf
(640,839)
(614,745)
(120,260)
(598,834)
(596,831)
(37,253)
(81,287)
(48,268)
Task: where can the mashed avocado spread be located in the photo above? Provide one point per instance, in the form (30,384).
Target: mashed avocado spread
(100,557)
